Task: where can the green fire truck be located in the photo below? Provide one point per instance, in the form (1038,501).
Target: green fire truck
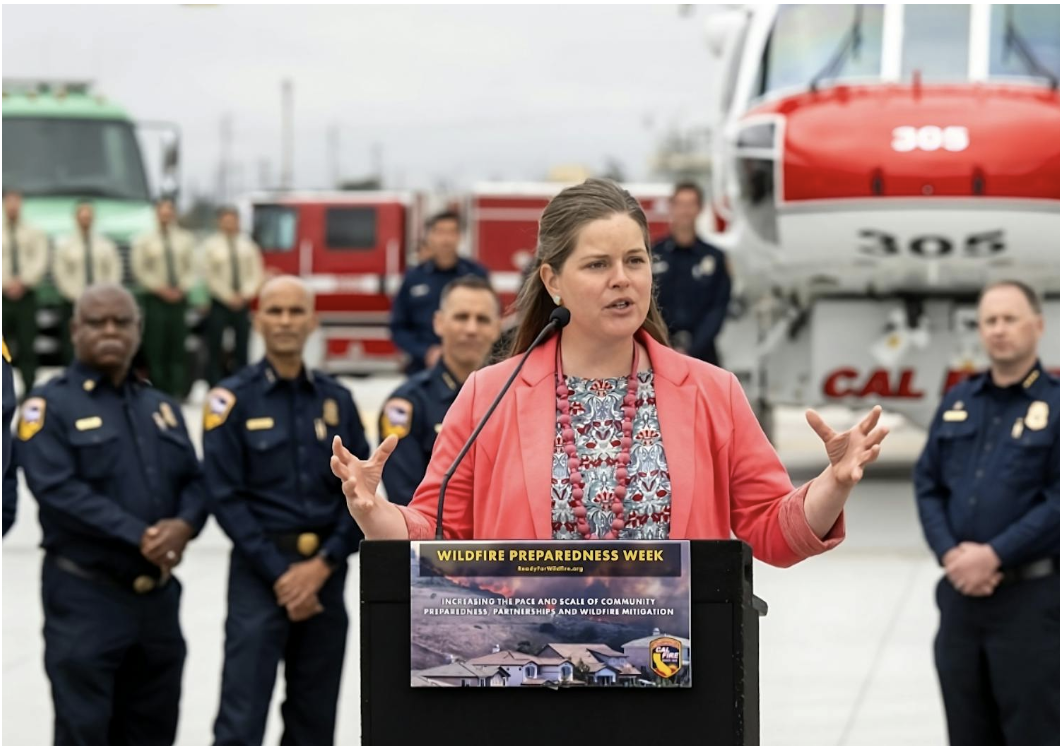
(64,143)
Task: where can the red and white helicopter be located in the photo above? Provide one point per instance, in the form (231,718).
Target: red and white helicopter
(874,167)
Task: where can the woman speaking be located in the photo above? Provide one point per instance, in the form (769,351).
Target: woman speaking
(606,432)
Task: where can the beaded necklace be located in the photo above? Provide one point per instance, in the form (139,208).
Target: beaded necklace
(571,449)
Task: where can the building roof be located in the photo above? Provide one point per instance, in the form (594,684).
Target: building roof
(584,651)
(461,671)
(645,641)
(420,681)
(512,657)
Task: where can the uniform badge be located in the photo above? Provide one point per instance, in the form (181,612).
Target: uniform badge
(418,291)
(167,414)
(32,419)
(706,267)
(219,403)
(321,430)
(1037,416)
(396,419)
(260,423)
(956,413)
(88,423)
(331,413)
(665,656)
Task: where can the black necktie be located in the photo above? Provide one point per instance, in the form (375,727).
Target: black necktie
(171,269)
(233,257)
(14,250)
(90,274)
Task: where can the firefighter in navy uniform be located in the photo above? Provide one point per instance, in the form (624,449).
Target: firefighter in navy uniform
(692,279)
(988,493)
(412,316)
(10,478)
(120,492)
(267,446)
(468,324)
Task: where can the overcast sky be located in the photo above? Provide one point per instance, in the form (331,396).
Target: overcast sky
(453,93)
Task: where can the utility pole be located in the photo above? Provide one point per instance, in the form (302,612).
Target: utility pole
(287,135)
(223,182)
(333,156)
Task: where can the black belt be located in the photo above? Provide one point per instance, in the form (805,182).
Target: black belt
(1042,568)
(305,543)
(140,585)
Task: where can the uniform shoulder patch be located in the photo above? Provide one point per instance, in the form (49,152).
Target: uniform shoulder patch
(396,418)
(31,419)
(219,403)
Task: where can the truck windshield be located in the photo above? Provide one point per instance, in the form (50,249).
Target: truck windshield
(1025,41)
(46,157)
(842,40)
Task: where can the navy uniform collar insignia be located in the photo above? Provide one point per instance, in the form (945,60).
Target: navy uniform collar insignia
(1033,376)
(89,378)
(331,412)
(167,414)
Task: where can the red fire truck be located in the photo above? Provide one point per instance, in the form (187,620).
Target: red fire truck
(352,248)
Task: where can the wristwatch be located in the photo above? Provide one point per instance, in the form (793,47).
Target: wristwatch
(330,561)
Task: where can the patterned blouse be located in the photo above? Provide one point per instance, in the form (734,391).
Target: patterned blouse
(596,418)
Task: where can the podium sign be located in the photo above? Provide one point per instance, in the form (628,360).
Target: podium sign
(721,709)
(554,614)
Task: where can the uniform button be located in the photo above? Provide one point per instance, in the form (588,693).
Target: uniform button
(997,420)
(150,470)
(973,500)
(988,446)
(978,473)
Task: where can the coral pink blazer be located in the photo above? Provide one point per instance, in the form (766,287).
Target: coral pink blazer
(725,476)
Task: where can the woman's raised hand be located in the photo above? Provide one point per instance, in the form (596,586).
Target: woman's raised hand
(851,451)
(360,479)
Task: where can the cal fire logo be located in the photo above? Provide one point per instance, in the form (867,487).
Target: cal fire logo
(665,655)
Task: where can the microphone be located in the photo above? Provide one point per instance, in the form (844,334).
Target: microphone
(558,319)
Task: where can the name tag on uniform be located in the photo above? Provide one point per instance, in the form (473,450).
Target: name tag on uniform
(417,291)
(955,415)
(89,423)
(260,423)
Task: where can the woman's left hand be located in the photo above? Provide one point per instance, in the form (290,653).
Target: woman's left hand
(849,452)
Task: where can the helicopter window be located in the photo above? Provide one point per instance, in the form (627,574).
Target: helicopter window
(810,43)
(935,41)
(1025,41)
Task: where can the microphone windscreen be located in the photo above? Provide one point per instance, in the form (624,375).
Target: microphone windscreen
(560,316)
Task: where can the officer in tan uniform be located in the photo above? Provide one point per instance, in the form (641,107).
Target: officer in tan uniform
(234,271)
(25,264)
(82,259)
(163,263)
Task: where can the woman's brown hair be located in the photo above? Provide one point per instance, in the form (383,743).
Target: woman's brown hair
(557,235)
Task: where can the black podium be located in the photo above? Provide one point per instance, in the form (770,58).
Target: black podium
(720,709)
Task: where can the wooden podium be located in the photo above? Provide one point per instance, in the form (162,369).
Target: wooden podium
(720,709)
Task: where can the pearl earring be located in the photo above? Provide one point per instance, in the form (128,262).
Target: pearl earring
(555,299)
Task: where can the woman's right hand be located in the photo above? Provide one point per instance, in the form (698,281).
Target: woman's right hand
(360,479)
